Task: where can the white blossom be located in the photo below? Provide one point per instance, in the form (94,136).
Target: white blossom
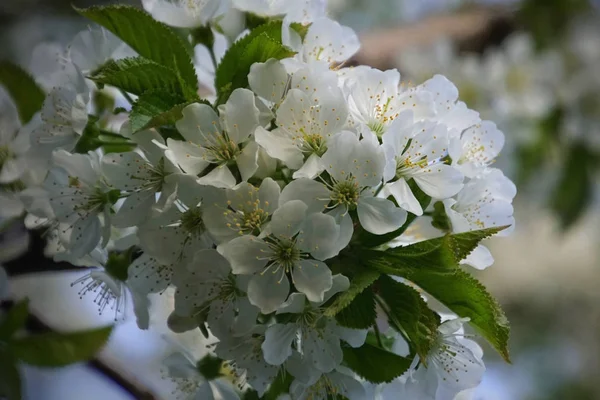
(191,385)
(180,229)
(296,247)
(184,13)
(219,141)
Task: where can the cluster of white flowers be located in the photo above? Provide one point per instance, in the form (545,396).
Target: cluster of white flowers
(247,206)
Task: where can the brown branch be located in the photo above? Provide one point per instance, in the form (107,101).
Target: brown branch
(472,29)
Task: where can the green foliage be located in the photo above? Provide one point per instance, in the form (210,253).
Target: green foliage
(258,46)
(137,75)
(439,218)
(409,314)
(300,29)
(156,108)
(465,296)
(547,20)
(374,363)
(367,239)
(574,190)
(210,367)
(26,94)
(10,380)
(59,349)
(281,384)
(150,38)
(14,319)
(360,313)
(362,280)
(440,255)
(93,138)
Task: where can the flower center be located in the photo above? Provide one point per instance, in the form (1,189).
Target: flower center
(346,193)
(286,254)
(324,388)
(377,127)
(313,143)
(248,219)
(156,178)
(223,150)
(191,221)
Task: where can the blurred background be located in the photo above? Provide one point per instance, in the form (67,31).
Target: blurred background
(531,66)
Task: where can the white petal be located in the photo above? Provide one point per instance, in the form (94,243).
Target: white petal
(311,169)
(179,366)
(277,346)
(319,236)
(288,219)
(295,304)
(313,278)
(278,145)
(344,220)
(354,337)
(247,254)
(379,216)
(85,236)
(268,195)
(442,182)
(339,284)
(480,258)
(204,392)
(268,290)
(312,193)
(147,275)
(220,177)
(199,124)
(247,161)
(323,347)
(189,156)
(404,196)
(140,309)
(135,209)
(241,115)
(269,80)
(225,389)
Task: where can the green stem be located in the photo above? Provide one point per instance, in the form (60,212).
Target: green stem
(115,135)
(127,96)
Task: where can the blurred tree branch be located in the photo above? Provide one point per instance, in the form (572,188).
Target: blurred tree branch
(473,30)
(36,325)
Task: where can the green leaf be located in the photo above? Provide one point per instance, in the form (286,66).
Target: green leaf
(14,319)
(465,296)
(360,313)
(300,29)
(367,239)
(59,349)
(26,94)
(281,384)
(362,280)
(137,75)
(210,367)
(10,380)
(259,45)
(375,364)
(574,190)
(156,108)
(409,314)
(150,38)
(440,255)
